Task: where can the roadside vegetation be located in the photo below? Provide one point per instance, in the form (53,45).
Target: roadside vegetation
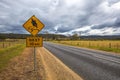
(105,45)
(10,42)
(9,50)
(22,67)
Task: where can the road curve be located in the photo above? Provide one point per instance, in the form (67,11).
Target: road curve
(89,64)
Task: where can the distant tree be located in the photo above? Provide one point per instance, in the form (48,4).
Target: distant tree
(75,36)
(2,37)
(53,37)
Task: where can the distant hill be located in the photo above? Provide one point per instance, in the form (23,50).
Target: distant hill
(57,37)
(13,36)
(110,37)
(23,36)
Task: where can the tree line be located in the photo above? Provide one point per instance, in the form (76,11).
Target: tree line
(59,37)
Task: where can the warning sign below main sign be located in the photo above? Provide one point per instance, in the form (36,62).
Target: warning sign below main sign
(34,41)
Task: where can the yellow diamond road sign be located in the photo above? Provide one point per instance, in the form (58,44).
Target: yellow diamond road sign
(33,25)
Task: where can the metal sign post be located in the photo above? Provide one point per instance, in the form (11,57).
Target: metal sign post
(34,25)
(35,69)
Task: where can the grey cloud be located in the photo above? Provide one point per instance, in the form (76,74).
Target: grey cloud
(81,32)
(64,29)
(115,24)
(54,12)
(81,17)
(111,2)
(84,32)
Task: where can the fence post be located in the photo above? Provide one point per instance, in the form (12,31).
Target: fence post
(98,45)
(89,44)
(3,45)
(117,46)
(79,43)
(109,45)
(9,44)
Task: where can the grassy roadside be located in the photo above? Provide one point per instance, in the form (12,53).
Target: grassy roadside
(48,67)
(20,67)
(110,46)
(8,53)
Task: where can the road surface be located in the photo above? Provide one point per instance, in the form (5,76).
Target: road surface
(89,64)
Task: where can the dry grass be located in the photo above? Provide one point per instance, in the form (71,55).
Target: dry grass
(20,67)
(11,42)
(6,54)
(106,45)
(48,67)
(54,68)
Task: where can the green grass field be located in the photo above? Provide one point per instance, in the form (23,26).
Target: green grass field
(105,45)
(8,53)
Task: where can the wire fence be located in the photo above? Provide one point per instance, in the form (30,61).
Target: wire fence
(94,44)
(10,42)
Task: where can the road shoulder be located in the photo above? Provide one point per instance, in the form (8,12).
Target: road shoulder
(54,68)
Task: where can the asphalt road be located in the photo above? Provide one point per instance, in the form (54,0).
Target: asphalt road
(89,64)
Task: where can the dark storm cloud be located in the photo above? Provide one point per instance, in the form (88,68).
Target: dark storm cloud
(81,32)
(61,16)
(64,29)
(115,24)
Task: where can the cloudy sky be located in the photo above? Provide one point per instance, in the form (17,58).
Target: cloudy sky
(86,17)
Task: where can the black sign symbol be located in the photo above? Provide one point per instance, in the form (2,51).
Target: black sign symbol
(34,23)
